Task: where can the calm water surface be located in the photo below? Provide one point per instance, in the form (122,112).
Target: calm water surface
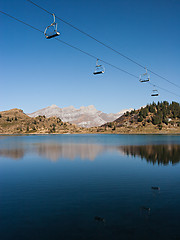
(52,187)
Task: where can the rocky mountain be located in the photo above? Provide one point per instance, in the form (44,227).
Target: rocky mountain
(83,117)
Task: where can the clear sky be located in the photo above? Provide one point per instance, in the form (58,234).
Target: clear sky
(36,72)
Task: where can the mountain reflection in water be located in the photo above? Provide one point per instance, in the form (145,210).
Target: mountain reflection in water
(15,154)
(161,154)
(54,151)
(70,151)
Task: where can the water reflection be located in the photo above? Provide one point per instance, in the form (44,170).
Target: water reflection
(161,154)
(54,152)
(12,153)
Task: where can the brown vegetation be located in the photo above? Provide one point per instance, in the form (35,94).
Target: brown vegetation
(15,121)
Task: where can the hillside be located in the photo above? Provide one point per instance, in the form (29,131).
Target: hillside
(15,121)
(154,118)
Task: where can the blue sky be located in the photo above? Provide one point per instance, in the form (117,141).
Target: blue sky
(36,72)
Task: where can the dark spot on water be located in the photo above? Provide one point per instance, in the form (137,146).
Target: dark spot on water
(99,219)
(146,208)
(155,188)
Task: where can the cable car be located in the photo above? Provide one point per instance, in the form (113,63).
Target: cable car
(51,30)
(144,77)
(155,93)
(99,69)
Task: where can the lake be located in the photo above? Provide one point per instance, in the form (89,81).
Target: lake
(89,187)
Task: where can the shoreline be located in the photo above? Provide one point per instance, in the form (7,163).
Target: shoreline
(41,134)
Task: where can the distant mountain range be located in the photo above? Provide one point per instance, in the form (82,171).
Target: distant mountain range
(83,117)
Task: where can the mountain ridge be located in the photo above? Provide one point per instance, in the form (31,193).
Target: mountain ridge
(85,116)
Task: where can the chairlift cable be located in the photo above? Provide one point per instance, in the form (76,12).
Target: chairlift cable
(21,21)
(105,45)
(156,74)
(68,44)
(88,54)
(88,35)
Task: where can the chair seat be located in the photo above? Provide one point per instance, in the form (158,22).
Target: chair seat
(98,72)
(52,36)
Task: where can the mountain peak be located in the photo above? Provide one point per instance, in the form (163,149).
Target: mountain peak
(54,106)
(91,107)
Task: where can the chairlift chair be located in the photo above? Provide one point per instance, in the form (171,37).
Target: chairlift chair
(155,93)
(144,77)
(99,69)
(51,30)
